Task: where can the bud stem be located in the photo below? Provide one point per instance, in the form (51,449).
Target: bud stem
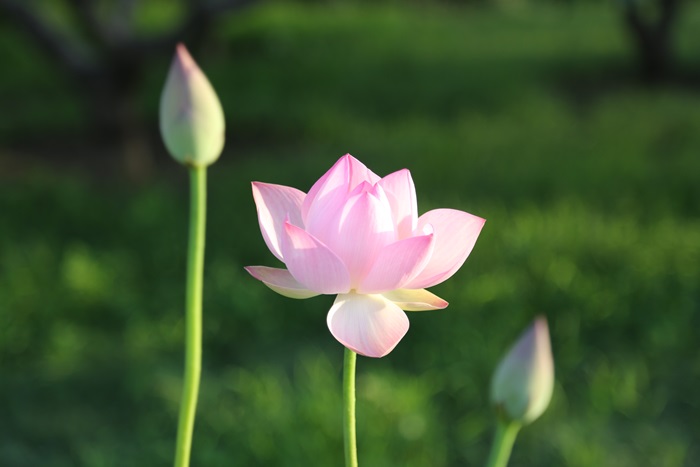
(193,310)
(349,433)
(503,441)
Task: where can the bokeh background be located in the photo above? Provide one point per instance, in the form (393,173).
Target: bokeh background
(572,126)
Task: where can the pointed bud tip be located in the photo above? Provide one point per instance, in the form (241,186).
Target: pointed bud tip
(183,56)
(540,325)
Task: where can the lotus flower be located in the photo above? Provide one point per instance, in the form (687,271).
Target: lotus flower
(358,236)
(522,385)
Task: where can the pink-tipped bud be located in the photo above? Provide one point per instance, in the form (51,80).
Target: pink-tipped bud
(522,385)
(191,118)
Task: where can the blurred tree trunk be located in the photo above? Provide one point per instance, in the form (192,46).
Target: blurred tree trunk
(652,33)
(107,62)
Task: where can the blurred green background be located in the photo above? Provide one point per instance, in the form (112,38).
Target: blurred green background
(532,114)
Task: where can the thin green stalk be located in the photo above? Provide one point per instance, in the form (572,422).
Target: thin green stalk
(349,363)
(193,310)
(503,441)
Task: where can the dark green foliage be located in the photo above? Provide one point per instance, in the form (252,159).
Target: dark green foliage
(591,192)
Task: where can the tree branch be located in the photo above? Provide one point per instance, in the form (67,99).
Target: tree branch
(47,39)
(90,23)
(669,11)
(194,27)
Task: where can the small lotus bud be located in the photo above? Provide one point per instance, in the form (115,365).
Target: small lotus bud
(191,118)
(522,385)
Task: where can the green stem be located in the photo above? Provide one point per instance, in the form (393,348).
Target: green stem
(193,310)
(349,363)
(503,443)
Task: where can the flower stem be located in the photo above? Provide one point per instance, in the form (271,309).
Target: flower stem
(349,433)
(193,310)
(503,443)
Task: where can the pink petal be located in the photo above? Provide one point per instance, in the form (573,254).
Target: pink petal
(274,204)
(359,231)
(367,324)
(401,192)
(415,299)
(335,185)
(312,264)
(397,264)
(455,235)
(281,281)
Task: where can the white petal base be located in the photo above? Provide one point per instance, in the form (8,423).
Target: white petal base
(370,325)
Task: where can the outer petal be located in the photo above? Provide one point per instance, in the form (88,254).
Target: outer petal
(358,232)
(397,264)
(455,235)
(335,185)
(312,264)
(401,192)
(415,299)
(276,203)
(281,281)
(367,324)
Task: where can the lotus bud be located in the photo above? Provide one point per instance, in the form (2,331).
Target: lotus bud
(191,118)
(522,385)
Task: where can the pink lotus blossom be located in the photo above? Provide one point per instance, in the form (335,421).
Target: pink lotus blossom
(358,236)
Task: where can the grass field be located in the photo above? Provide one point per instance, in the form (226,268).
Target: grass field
(529,117)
